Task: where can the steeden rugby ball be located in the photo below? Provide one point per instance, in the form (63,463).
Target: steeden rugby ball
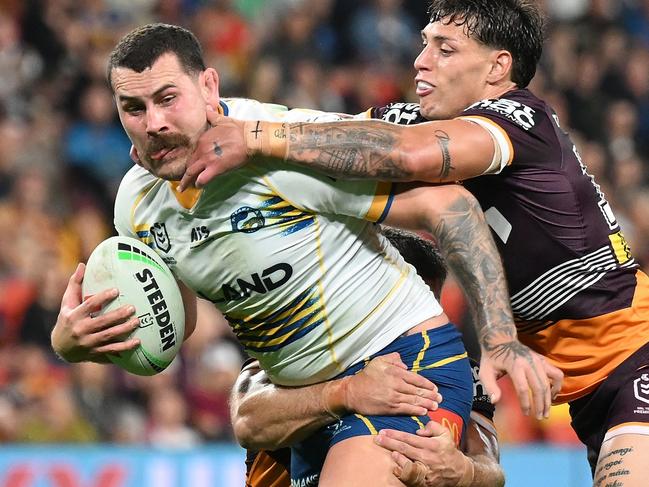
(145,281)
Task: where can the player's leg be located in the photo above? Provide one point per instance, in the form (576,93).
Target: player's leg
(352,458)
(358,462)
(623,458)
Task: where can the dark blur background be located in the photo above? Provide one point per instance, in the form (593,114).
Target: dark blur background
(63,152)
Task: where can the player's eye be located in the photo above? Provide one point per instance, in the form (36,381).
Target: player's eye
(133,109)
(168,99)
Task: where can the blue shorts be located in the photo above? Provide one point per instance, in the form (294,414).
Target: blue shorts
(438,355)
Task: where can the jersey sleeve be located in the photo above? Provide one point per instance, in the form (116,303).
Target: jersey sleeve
(315,193)
(481,402)
(522,133)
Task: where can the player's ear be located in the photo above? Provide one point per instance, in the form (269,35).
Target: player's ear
(135,157)
(501,66)
(210,86)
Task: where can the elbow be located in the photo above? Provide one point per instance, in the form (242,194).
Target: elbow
(244,433)
(458,195)
(499,481)
(251,437)
(452,204)
(415,166)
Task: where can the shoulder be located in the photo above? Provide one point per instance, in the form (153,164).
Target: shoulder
(519,108)
(399,113)
(135,183)
(246,108)
(525,127)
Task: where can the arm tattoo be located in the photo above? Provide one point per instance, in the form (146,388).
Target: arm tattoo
(466,243)
(353,149)
(444,140)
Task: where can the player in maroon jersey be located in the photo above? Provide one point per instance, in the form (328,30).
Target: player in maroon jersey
(576,292)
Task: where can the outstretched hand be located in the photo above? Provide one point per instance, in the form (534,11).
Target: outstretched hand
(536,382)
(220,149)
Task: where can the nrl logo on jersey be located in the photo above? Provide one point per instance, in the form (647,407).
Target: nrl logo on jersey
(641,388)
(520,114)
(160,237)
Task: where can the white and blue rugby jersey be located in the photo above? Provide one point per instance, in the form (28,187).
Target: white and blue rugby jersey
(292,259)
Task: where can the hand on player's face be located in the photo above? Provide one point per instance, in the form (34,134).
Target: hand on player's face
(78,336)
(386,386)
(536,382)
(220,149)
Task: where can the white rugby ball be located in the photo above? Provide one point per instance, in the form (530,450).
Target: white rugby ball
(145,281)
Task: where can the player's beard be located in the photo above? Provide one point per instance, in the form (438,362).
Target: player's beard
(170,167)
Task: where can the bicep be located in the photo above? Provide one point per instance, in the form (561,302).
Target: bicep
(449,150)
(421,206)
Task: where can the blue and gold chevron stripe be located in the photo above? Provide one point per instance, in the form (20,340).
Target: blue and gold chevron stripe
(268,333)
(283,214)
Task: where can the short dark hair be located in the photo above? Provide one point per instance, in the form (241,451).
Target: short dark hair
(513,25)
(141,48)
(422,254)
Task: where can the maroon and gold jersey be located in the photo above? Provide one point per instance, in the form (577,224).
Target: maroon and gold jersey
(268,468)
(576,291)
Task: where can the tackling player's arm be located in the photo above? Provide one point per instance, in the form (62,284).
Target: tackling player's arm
(268,417)
(436,152)
(265,416)
(430,459)
(454,217)
(78,336)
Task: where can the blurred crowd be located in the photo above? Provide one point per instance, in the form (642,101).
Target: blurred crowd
(63,153)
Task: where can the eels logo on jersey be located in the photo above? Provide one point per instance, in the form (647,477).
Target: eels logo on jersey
(247,220)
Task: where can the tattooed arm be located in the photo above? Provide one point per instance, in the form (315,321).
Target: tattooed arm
(435,152)
(453,216)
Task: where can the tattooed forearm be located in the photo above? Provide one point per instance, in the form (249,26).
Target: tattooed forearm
(444,141)
(351,149)
(466,243)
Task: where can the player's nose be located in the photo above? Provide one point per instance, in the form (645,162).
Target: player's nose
(422,62)
(155,121)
